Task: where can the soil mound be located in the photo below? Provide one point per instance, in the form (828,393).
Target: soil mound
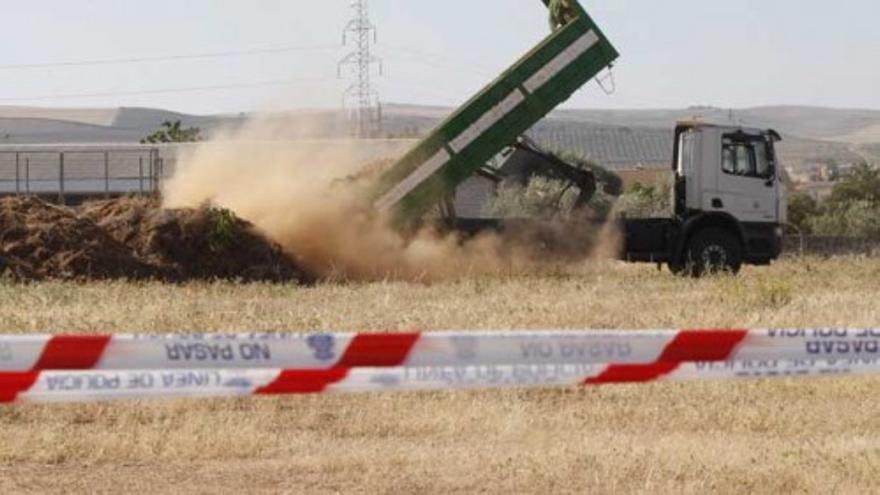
(133,238)
(39,241)
(193,243)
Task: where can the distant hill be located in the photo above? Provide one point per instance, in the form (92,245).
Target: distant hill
(93,116)
(615,138)
(850,126)
(45,131)
(151,118)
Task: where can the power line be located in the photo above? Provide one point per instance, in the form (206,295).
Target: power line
(446,91)
(444,62)
(190,89)
(166,58)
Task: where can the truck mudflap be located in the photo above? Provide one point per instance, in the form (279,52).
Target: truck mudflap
(573,54)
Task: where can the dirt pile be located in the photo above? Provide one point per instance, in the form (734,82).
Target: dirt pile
(39,240)
(134,239)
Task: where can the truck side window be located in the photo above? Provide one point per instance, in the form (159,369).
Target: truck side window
(746,157)
(728,164)
(762,161)
(739,159)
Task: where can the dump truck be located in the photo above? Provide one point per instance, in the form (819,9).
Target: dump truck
(728,203)
(728,206)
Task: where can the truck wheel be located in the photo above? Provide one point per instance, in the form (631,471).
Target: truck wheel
(713,251)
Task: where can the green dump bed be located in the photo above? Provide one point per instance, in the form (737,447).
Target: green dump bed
(570,57)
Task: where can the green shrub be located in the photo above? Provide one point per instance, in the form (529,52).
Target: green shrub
(541,198)
(173,132)
(852,210)
(802,211)
(550,198)
(849,219)
(640,201)
(221,235)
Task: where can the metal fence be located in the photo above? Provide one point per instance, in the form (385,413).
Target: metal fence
(72,175)
(830,246)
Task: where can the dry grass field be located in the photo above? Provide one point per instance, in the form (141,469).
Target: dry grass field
(759,436)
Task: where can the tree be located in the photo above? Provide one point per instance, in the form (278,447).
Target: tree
(802,208)
(173,132)
(861,183)
(833,169)
(853,209)
(853,219)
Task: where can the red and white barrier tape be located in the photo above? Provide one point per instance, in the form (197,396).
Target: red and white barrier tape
(84,386)
(48,368)
(329,350)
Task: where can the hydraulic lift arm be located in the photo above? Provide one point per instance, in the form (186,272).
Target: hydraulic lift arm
(573,54)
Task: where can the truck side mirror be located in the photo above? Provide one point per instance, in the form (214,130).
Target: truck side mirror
(771,175)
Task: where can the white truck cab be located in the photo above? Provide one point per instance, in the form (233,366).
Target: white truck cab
(729,203)
(731,170)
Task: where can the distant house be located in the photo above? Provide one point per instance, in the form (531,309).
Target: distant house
(817,190)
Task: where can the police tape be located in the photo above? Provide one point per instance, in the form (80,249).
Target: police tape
(377,350)
(97,385)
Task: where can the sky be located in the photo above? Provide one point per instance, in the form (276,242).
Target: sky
(674,53)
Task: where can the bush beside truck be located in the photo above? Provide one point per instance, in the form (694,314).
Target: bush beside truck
(852,209)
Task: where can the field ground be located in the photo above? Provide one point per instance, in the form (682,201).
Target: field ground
(759,436)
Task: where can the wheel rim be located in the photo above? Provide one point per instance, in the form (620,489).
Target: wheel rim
(714,256)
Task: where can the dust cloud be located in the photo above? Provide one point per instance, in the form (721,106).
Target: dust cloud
(299,194)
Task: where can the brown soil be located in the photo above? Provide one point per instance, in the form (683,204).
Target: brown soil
(134,238)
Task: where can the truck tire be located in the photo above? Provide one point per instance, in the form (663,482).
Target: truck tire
(713,251)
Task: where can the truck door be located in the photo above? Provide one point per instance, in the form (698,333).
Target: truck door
(747,187)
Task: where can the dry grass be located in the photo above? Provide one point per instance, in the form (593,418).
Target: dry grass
(801,436)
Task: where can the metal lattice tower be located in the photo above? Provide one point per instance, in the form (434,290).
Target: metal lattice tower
(360,99)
